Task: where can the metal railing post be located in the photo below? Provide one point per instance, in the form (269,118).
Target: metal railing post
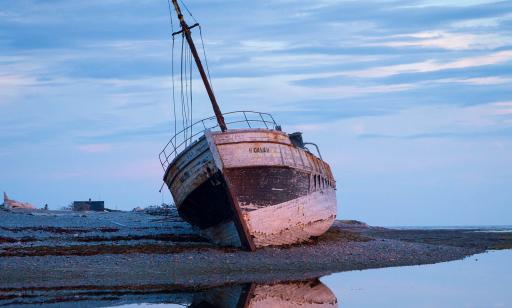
(245,116)
(188,139)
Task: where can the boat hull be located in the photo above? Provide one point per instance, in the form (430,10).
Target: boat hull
(310,293)
(252,188)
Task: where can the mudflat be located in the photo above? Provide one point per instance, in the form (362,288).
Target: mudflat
(49,250)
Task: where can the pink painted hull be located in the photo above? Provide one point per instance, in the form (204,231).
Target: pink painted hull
(253,188)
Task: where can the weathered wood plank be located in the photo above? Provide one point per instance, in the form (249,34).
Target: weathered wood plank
(277,206)
(241,225)
(190,170)
(236,150)
(251,135)
(224,234)
(293,221)
(310,294)
(278,193)
(295,294)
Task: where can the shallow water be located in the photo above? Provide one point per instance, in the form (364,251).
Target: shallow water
(491,228)
(483,280)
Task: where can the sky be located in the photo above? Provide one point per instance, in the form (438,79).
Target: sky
(409,101)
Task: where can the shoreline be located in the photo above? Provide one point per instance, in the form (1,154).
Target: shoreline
(110,250)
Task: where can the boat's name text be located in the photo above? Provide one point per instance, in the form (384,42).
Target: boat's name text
(259,150)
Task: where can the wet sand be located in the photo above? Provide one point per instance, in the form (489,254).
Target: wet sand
(65,251)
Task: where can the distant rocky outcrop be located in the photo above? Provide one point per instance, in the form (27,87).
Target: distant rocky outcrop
(163,209)
(354,222)
(13,204)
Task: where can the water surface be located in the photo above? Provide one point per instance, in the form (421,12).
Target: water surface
(483,280)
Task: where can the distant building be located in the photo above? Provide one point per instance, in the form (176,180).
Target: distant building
(98,206)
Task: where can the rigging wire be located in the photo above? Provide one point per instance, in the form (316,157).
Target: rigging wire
(181,87)
(189,73)
(191,98)
(172,68)
(205,58)
(185,61)
(186,81)
(188,95)
(202,41)
(188,11)
(173,89)
(170,15)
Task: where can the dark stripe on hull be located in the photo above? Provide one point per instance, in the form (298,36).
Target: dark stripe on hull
(264,186)
(201,193)
(277,194)
(213,204)
(208,205)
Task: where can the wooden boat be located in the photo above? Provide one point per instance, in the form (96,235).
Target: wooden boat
(310,294)
(251,185)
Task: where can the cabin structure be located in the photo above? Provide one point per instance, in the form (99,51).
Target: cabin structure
(96,206)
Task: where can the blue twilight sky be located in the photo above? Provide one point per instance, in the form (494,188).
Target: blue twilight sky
(410,101)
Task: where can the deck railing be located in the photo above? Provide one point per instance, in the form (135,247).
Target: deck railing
(234,120)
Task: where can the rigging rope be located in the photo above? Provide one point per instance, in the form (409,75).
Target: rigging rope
(191,100)
(202,42)
(172,68)
(186,81)
(170,15)
(188,11)
(173,90)
(205,58)
(183,117)
(186,96)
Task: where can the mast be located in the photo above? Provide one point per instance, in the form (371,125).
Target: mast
(186,31)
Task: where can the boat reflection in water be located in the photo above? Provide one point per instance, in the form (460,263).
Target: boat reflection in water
(309,293)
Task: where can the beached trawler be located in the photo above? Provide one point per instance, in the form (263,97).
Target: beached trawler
(306,294)
(249,185)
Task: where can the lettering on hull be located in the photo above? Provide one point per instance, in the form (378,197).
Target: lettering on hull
(259,150)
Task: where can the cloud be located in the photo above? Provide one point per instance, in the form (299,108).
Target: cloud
(274,91)
(442,135)
(433,65)
(489,120)
(94,82)
(14,81)
(502,108)
(259,45)
(147,169)
(479,81)
(449,3)
(445,40)
(13,85)
(482,23)
(287,61)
